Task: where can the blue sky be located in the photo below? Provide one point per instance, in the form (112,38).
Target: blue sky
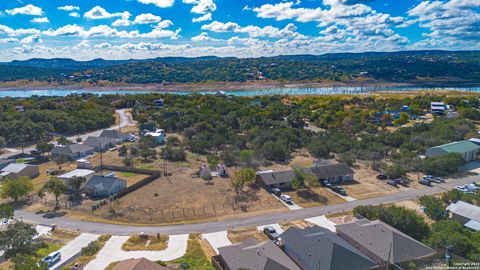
(122,29)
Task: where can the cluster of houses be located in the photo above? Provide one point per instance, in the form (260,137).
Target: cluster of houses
(466,214)
(362,244)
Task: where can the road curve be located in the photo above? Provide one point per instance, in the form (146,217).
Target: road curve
(207,227)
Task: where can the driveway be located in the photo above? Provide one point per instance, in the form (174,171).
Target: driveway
(346,198)
(113,252)
(217,239)
(276,226)
(42,230)
(322,221)
(74,247)
(215,226)
(292,206)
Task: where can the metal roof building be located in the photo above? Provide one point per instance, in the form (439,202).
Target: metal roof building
(466,148)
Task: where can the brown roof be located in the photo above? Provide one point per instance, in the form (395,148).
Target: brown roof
(138,264)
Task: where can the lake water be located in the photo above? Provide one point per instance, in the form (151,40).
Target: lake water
(255,92)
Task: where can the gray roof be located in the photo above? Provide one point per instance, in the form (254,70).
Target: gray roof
(106,181)
(331,170)
(71,149)
(256,256)
(322,171)
(319,248)
(6,161)
(99,141)
(16,167)
(113,133)
(377,237)
(466,210)
(473,224)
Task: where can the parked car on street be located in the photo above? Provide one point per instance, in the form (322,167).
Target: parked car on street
(425,182)
(271,232)
(52,258)
(286,198)
(276,191)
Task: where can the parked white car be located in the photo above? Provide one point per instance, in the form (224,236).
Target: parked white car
(286,198)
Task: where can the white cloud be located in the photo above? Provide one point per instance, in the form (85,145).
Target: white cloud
(32,39)
(104,45)
(254,31)
(206,17)
(97,13)
(146,18)
(158,3)
(17,32)
(68,8)
(74,14)
(26,10)
(40,20)
(107,31)
(201,6)
(203,37)
(8,40)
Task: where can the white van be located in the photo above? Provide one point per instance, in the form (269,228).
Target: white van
(52,258)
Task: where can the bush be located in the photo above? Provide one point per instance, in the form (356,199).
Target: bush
(174,153)
(91,249)
(318,150)
(443,165)
(348,158)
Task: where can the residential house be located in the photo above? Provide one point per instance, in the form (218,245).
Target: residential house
(5,162)
(252,255)
(104,185)
(158,135)
(466,214)
(16,170)
(100,144)
(438,107)
(72,151)
(382,242)
(115,134)
(159,103)
(138,264)
(467,149)
(87,174)
(335,173)
(314,248)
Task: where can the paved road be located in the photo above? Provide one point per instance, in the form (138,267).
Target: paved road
(125,120)
(207,227)
(113,252)
(74,247)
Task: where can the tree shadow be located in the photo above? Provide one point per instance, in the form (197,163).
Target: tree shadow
(310,195)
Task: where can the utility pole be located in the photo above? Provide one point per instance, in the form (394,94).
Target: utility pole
(101,159)
(389,255)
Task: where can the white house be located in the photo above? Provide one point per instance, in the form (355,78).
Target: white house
(158,135)
(103,186)
(87,174)
(466,214)
(15,170)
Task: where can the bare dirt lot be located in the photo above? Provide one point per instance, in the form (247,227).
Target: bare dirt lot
(240,235)
(314,197)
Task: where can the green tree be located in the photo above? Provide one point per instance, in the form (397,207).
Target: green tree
(123,150)
(16,188)
(402,120)
(6,211)
(28,262)
(302,179)
(56,187)
(63,140)
(17,239)
(44,147)
(448,233)
(434,207)
(247,157)
(60,160)
(443,165)
(394,171)
(241,178)
(75,184)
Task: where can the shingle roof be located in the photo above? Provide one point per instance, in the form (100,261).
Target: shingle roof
(99,141)
(322,171)
(473,224)
(464,209)
(319,248)
(106,181)
(377,237)
(458,147)
(113,133)
(6,161)
(138,264)
(71,149)
(15,168)
(256,256)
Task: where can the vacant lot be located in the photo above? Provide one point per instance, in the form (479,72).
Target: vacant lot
(240,235)
(314,197)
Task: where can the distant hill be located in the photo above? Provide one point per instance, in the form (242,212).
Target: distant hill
(419,67)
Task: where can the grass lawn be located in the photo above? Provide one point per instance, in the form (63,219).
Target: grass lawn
(136,242)
(127,174)
(195,257)
(315,197)
(240,235)
(90,252)
(51,247)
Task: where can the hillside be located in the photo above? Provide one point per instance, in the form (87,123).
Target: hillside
(418,67)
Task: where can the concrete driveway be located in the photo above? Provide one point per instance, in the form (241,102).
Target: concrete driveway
(217,239)
(346,198)
(322,221)
(42,230)
(292,206)
(113,252)
(276,226)
(74,247)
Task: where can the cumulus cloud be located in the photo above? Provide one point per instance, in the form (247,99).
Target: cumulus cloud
(146,18)
(8,40)
(68,8)
(17,32)
(206,17)
(201,6)
(107,31)
(203,37)
(26,10)
(40,20)
(31,39)
(158,3)
(98,12)
(74,14)
(254,31)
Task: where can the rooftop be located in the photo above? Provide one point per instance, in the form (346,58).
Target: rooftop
(77,173)
(464,209)
(458,147)
(16,167)
(138,264)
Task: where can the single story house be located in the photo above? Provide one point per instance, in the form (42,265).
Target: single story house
(335,173)
(138,264)
(252,255)
(72,151)
(158,135)
(115,134)
(5,162)
(438,107)
(382,242)
(314,248)
(100,143)
(467,149)
(87,174)
(104,185)
(16,170)
(466,214)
